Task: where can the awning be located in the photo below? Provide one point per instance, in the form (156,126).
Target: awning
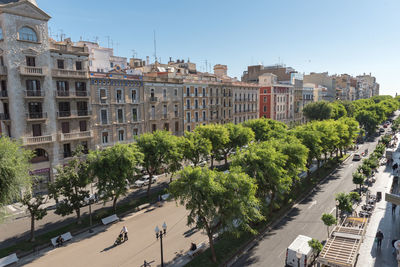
(395,199)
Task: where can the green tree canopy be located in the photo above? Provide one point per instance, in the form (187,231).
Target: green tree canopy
(358,179)
(115,168)
(344,202)
(239,136)
(316,246)
(321,110)
(266,129)
(195,148)
(217,201)
(328,220)
(338,110)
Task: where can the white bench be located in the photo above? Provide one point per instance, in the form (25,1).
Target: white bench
(165,197)
(8,260)
(67,236)
(110,219)
(199,249)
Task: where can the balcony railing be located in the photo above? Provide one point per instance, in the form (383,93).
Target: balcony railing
(75,113)
(153,99)
(38,139)
(32,93)
(36,115)
(76,135)
(4,116)
(70,73)
(31,71)
(71,93)
(3,93)
(84,113)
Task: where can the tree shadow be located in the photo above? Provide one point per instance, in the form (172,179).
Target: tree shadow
(190,232)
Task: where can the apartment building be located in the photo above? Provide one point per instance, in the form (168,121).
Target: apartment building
(366,86)
(325,80)
(118,107)
(163,103)
(245,101)
(195,99)
(276,99)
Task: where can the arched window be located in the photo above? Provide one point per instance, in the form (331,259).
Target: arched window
(27,34)
(40,155)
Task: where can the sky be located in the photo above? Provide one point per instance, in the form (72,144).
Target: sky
(338,36)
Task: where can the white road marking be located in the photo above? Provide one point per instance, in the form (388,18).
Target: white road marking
(332,210)
(280,254)
(312,204)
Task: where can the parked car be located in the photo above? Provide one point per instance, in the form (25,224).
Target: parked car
(381,130)
(385,125)
(300,246)
(357,157)
(145,181)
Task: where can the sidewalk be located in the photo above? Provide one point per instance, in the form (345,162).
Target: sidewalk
(381,219)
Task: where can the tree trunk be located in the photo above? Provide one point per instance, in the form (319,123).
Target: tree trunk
(32,228)
(212,162)
(115,204)
(78,216)
(149,186)
(318,163)
(226,159)
(327,228)
(213,255)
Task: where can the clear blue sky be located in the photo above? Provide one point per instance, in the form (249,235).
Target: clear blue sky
(341,36)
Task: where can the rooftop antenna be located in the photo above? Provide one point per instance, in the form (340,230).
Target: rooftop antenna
(108,41)
(96,39)
(134,54)
(61,34)
(206,65)
(155,46)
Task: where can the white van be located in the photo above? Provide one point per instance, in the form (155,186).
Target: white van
(299,245)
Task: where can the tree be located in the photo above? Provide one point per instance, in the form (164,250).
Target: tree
(70,185)
(368,120)
(354,196)
(218,135)
(312,140)
(358,179)
(217,201)
(344,202)
(320,110)
(266,129)
(160,153)
(328,220)
(239,136)
(33,204)
(14,170)
(115,168)
(195,148)
(316,246)
(338,110)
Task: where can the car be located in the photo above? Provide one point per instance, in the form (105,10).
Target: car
(381,130)
(203,163)
(357,156)
(385,125)
(145,181)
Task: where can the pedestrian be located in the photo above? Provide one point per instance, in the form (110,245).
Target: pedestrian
(394,208)
(379,236)
(124,231)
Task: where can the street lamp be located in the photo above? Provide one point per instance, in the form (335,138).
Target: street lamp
(160,234)
(298,255)
(90,208)
(337,209)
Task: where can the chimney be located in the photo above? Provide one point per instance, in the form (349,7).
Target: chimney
(147,60)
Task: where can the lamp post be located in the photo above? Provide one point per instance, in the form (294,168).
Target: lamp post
(298,256)
(337,209)
(160,234)
(90,208)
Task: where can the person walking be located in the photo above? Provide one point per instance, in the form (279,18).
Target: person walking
(379,237)
(394,208)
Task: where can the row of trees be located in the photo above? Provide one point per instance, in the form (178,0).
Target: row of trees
(368,112)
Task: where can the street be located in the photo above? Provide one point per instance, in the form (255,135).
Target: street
(304,218)
(97,249)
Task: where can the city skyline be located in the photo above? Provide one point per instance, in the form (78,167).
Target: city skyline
(310,37)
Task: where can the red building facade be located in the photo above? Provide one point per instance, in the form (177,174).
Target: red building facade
(276,102)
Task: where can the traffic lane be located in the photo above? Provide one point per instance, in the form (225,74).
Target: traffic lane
(15,230)
(98,250)
(304,219)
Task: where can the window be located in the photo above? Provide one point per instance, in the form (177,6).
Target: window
(35,110)
(103,96)
(119,96)
(204,92)
(67,150)
(121,135)
(80,88)
(187,91)
(60,64)
(204,115)
(134,114)
(65,127)
(196,104)
(135,132)
(27,34)
(152,93)
(153,112)
(62,88)
(166,126)
(64,109)
(133,95)
(164,93)
(265,99)
(196,116)
(82,108)
(195,92)
(176,111)
(204,103)
(176,126)
(104,137)
(33,88)
(187,103)
(82,126)
(265,109)
(188,128)
(188,117)
(78,65)
(120,115)
(103,116)
(165,110)
(36,130)
(154,127)
(176,92)
(30,61)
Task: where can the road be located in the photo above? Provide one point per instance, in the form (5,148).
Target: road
(97,249)
(13,230)
(304,218)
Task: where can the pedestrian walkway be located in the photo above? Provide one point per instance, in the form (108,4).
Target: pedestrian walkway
(382,219)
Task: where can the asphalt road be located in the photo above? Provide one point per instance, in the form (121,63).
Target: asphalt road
(97,249)
(304,218)
(13,230)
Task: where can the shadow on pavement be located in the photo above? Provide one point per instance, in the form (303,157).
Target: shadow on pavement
(190,232)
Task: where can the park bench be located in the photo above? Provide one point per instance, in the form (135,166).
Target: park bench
(66,236)
(165,197)
(110,219)
(8,260)
(200,248)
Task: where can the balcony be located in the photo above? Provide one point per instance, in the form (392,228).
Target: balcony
(4,117)
(31,71)
(76,136)
(3,94)
(3,70)
(80,74)
(71,94)
(153,99)
(38,140)
(68,114)
(36,116)
(34,94)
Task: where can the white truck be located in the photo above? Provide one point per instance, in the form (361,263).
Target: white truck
(299,253)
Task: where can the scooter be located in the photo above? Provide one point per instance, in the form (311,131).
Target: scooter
(119,240)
